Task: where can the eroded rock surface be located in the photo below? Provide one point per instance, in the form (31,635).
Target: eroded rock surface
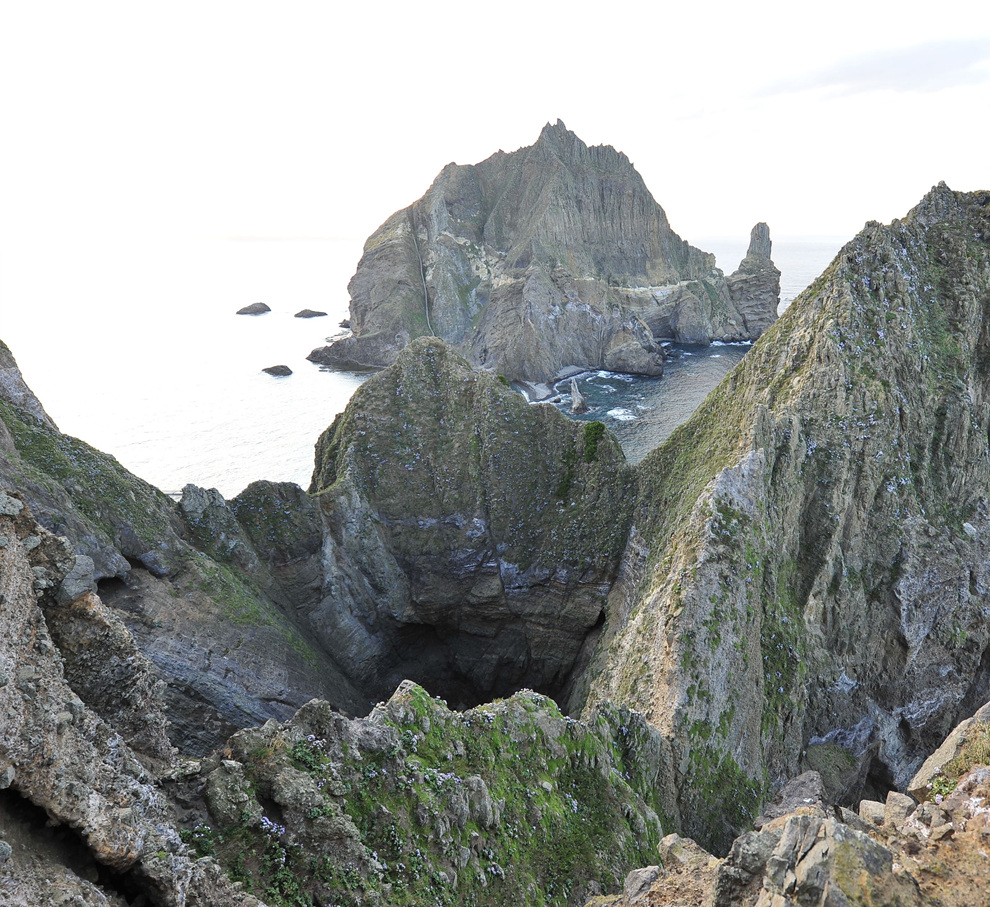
(506,803)
(470,539)
(554,255)
(809,563)
(58,756)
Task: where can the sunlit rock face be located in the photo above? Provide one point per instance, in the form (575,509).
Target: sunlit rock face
(809,570)
(551,256)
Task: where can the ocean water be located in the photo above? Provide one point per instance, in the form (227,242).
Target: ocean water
(136,349)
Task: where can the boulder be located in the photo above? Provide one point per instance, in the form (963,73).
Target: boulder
(278,371)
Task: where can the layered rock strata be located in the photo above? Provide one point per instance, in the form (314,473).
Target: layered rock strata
(807,575)
(554,255)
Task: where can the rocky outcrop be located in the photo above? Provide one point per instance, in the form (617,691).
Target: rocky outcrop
(278,371)
(895,853)
(755,283)
(255,308)
(809,561)
(63,765)
(506,803)
(218,620)
(470,539)
(310,313)
(554,255)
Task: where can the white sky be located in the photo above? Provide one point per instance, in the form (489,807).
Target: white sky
(305,119)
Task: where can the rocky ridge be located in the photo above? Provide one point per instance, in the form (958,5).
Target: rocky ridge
(416,804)
(551,256)
(805,581)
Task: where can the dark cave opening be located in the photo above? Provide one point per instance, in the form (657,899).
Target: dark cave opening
(879,781)
(27,827)
(469,670)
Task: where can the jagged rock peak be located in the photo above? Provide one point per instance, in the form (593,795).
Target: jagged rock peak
(759,242)
(528,262)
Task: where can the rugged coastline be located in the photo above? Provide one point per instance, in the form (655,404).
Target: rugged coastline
(693,629)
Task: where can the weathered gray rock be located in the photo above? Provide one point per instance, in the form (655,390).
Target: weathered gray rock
(278,371)
(872,811)
(638,882)
(311,313)
(814,501)
(255,308)
(803,795)
(549,256)
(897,808)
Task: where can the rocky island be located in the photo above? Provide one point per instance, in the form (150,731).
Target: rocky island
(551,256)
(483,660)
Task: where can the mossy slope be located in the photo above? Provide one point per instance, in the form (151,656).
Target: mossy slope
(506,803)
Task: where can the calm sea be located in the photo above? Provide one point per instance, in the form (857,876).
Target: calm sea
(137,350)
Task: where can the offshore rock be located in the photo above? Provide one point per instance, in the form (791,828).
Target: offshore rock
(842,460)
(578,403)
(554,255)
(255,308)
(278,371)
(470,539)
(754,283)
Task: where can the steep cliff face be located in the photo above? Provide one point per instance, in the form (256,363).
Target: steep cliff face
(63,765)
(808,571)
(209,592)
(524,263)
(470,539)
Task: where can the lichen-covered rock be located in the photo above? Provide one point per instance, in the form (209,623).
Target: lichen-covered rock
(550,256)
(800,570)
(503,804)
(470,539)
